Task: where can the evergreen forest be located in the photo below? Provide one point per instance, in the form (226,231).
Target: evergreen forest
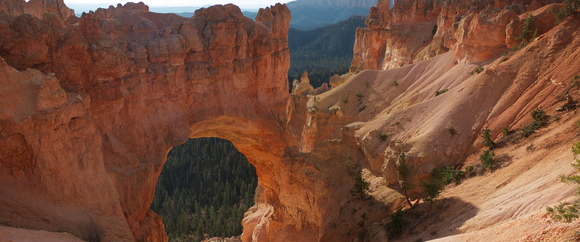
(324,51)
(205,188)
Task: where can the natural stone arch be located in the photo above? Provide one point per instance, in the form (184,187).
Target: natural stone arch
(90,140)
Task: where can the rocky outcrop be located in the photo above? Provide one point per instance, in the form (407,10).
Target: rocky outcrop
(91,106)
(37,8)
(334,3)
(417,30)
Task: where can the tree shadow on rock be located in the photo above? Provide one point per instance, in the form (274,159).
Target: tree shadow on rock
(444,219)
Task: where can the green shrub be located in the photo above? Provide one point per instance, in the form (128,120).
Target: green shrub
(469,169)
(432,189)
(564,12)
(487,159)
(437,93)
(397,223)
(404,177)
(539,115)
(364,218)
(563,212)
(451,175)
(477,70)
(487,142)
(529,29)
(383,136)
(569,212)
(359,96)
(362,108)
(540,119)
(360,185)
(346,98)
(506,130)
(395,83)
(452,130)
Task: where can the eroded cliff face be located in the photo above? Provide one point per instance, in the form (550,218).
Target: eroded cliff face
(417,30)
(92,105)
(383,113)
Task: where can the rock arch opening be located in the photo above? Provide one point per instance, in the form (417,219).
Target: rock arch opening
(204,189)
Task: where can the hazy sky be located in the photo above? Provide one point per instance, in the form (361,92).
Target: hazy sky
(176,3)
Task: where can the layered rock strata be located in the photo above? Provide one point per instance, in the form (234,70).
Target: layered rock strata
(417,30)
(92,105)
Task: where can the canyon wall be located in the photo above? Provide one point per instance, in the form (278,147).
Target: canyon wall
(92,105)
(417,30)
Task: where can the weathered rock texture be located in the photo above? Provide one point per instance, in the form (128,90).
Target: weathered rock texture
(417,30)
(92,105)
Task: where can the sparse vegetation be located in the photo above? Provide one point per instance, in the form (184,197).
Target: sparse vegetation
(578,124)
(469,170)
(557,118)
(345,100)
(540,119)
(360,185)
(383,136)
(564,212)
(477,70)
(434,30)
(432,189)
(450,175)
(363,218)
(452,130)
(359,96)
(437,93)
(487,159)
(487,142)
(395,83)
(362,108)
(562,13)
(397,223)
(368,84)
(529,29)
(515,48)
(439,179)
(404,177)
(569,212)
(397,123)
(506,130)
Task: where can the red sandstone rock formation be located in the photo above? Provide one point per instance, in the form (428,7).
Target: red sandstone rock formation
(82,148)
(474,31)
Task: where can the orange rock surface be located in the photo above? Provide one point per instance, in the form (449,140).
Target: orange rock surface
(92,105)
(417,30)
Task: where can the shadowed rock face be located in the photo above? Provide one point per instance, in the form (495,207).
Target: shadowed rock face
(92,105)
